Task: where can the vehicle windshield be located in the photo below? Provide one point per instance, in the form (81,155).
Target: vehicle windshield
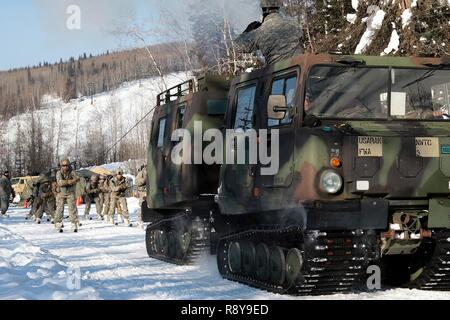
(15,181)
(363,93)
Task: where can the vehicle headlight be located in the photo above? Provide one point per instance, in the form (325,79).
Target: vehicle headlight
(331,182)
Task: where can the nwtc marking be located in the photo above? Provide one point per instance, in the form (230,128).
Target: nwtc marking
(427,147)
(445,149)
(370,146)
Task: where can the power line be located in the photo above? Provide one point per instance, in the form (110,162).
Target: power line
(167,96)
(129,131)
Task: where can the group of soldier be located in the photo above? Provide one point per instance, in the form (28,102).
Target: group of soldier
(276,38)
(50,197)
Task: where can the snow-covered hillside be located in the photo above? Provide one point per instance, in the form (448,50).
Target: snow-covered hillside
(112,263)
(115,111)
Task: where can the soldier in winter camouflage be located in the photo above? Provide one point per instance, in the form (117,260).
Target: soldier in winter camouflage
(6,191)
(119,212)
(118,186)
(101,195)
(106,195)
(67,181)
(37,202)
(277,38)
(107,200)
(93,192)
(47,201)
(141,183)
(33,200)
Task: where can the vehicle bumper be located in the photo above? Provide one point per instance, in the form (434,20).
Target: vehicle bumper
(367,214)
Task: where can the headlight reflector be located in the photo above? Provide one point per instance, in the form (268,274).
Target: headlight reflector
(331,182)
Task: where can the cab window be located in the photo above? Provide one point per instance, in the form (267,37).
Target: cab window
(245,105)
(161,133)
(180,116)
(285,86)
(420,94)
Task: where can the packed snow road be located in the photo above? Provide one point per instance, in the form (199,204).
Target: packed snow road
(109,262)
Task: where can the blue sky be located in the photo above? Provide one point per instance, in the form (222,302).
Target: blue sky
(33,31)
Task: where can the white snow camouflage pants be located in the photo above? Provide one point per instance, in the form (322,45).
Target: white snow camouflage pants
(70,199)
(122,203)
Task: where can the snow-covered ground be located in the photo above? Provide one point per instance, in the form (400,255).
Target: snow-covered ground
(38,263)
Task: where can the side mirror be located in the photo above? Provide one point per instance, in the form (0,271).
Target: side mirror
(277,107)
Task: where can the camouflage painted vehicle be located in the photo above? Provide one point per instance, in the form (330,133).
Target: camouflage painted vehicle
(177,191)
(364,177)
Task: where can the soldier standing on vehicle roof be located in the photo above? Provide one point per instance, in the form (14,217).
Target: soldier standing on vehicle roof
(47,198)
(278,37)
(93,194)
(6,191)
(67,181)
(141,183)
(118,187)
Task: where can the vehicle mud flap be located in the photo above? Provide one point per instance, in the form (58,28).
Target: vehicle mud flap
(149,215)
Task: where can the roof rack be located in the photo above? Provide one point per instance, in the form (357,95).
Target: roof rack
(178,91)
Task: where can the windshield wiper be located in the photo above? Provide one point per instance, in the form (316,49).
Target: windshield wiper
(345,128)
(350,61)
(425,76)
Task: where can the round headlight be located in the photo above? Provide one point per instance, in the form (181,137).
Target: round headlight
(331,182)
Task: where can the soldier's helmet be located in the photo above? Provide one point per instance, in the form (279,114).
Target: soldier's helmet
(65,162)
(271,4)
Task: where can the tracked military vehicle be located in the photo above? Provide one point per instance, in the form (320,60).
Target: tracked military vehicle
(363,179)
(180,197)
